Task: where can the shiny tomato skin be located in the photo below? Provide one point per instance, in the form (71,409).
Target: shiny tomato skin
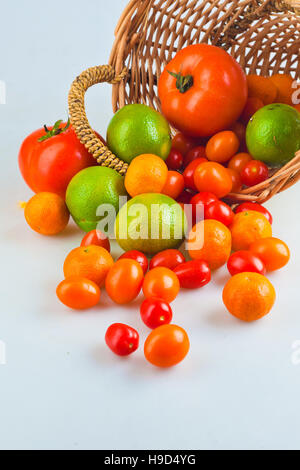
(124,281)
(254,206)
(167,346)
(236,180)
(199,202)
(213,177)
(161,283)
(220,211)
(193,274)
(239,161)
(137,256)
(245,262)
(217,95)
(95,237)
(167,259)
(255,172)
(183,143)
(196,152)
(156,312)
(222,146)
(174,160)
(78,293)
(189,173)
(274,253)
(174,185)
(122,339)
(50,165)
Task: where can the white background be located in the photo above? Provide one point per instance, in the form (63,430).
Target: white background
(61,387)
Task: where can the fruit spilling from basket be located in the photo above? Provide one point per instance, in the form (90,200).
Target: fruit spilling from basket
(233,132)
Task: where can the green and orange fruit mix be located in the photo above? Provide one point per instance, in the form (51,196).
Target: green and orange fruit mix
(232,129)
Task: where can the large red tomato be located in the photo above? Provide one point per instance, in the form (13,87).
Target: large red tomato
(203,90)
(50,164)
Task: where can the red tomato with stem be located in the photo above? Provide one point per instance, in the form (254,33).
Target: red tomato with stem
(203,90)
(220,211)
(78,293)
(166,346)
(213,177)
(96,237)
(122,339)
(197,152)
(245,262)
(174,160)
(174,184)
(189,173)
(137,256)
(193,274)
(222,146)
(167,259)
(254,206)
(254,173)
(156,312)
(124,281)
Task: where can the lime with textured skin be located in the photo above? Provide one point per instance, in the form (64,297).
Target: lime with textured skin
(161,227)
(273,134)
(91,188)
(137,129)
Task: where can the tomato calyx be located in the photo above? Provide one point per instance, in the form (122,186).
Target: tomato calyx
(183,82)
(55,131)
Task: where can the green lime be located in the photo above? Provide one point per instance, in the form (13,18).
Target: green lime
(137,129)
(91,188)
(150,223)
(273,134)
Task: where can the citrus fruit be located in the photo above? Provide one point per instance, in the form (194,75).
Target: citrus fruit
(91,188)
(247,227)
(147,173)
(249,296)
(47,214)
(91,262)
(284,85)
(273,134)
(210,241)
(262,88)
(150,223)
(137,129)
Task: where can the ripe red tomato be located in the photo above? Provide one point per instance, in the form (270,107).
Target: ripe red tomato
(193,274)
(156,312)
(174,160)
(137,256)
(183,144)
(245,262)
(196,152)
(161,283)
(239,161)
(122,339)
(96,237)
(222,146)
(253,206)
(255,172)
(174,184)
(203,90)
(49,166)
(78,293)
(189,173)
(167,259)
(166,346)
(184,197)
(124,281)
(199,202)
(213,177)
(220,211)
(274,253)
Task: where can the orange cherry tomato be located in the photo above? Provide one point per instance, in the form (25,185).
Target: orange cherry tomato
(222,146)
(95,237)
(236,180)
(166,346)
(78,293)
(239,161)
(213,177)
(161,283)
(174,184)
(274,253)
(124,281)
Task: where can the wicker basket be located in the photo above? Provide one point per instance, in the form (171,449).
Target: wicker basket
(262,35)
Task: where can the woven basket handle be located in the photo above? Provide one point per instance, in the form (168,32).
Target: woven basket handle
(79,121)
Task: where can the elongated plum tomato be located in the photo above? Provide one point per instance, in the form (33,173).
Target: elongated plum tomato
(193,274)
(254,206)
(166,346)
(137,256)
(49,165)
(189,173)
(167,259)
(78,293)
(124,281)
(213,177)
(161,283)
(222,146)
(95,237)
(245,262)
(156,312)
(272,251)
(122,339)
(203,90)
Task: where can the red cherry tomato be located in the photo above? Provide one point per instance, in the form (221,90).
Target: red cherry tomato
(174,184)
(137,256)
(254,173)
(122,339)
(199,202)
(167,259)
(220,211)
(183,144)
(95,237)
(78,293)
(245,262)
(156,312)
(239,161)
(193,274)
(184,197)
(174,160)
(253,206)
(197,152)
(189,172)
